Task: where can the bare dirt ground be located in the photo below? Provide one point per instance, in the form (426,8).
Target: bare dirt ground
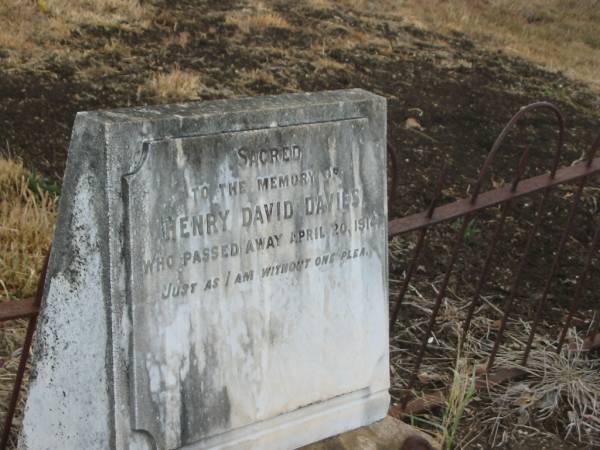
(459,94)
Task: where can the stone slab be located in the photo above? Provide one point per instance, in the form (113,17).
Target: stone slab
(218,278)
(386,434)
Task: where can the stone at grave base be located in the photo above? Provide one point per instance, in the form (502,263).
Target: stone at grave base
(308,424)
(387,434)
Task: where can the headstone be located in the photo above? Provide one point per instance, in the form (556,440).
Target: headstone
(218,278)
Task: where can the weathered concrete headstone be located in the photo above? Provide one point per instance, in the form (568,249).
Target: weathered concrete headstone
(218,278)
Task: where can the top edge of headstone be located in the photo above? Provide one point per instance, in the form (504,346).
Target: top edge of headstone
(237,105)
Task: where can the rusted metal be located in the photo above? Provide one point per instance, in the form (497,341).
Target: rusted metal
(493,197)
(591,342)
(487,380)
(417,251)
(466,209)
(30,310)
(18,309)
(394,178)
(561,247)
(508,304)
(409,274)
(425,403)
(581,283)
(438,301)
(484,273)
(555,265)
(510,125)
(430,401)
(492,248)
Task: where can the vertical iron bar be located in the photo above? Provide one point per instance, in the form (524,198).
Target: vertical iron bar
(581,283)
(555,265)
(418,248)
(492,248)
(484,273)
(394,182)
(438,301)
(23,360)
(517,279)
(580,288)
(409,274)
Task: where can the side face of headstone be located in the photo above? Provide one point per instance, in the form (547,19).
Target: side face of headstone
(242,280)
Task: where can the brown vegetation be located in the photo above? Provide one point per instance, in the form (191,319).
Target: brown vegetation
(561,35)
(256,20)
(26,225)
(27,212)
(175,85)
(33,31)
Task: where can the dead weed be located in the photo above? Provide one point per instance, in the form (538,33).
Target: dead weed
(175,85)
(27,214)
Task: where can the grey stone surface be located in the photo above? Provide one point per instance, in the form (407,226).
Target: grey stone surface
(218,277)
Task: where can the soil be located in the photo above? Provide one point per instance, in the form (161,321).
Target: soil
(460,95)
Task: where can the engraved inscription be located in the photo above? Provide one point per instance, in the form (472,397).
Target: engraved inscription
(236,244)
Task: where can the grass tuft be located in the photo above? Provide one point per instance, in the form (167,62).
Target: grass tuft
(256,22)
(324,63)
(175,85)
(462,392)
(559,385)
(27,213)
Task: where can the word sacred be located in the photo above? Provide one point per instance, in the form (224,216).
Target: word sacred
(266,156)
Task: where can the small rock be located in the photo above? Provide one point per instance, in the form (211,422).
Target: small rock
(412,123)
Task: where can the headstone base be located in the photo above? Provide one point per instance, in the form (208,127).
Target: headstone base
(295,429)
(387,434)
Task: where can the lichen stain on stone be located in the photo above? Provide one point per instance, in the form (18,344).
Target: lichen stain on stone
(205,407)
(247,340)
(68,253)
(275,330)
(80,240)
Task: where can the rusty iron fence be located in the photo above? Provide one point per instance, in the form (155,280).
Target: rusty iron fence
(13,310)
(465,210)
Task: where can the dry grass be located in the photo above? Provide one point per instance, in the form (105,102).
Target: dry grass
(558,34)
(26,226)
(563,386)
(383,7)
(256,22)
(461,393)
(175,85)
(27,214)
(258,75)
(559,398)
(94,12)
(324,63)
(31,31)
(256,19)
(180,39)
(561,35)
